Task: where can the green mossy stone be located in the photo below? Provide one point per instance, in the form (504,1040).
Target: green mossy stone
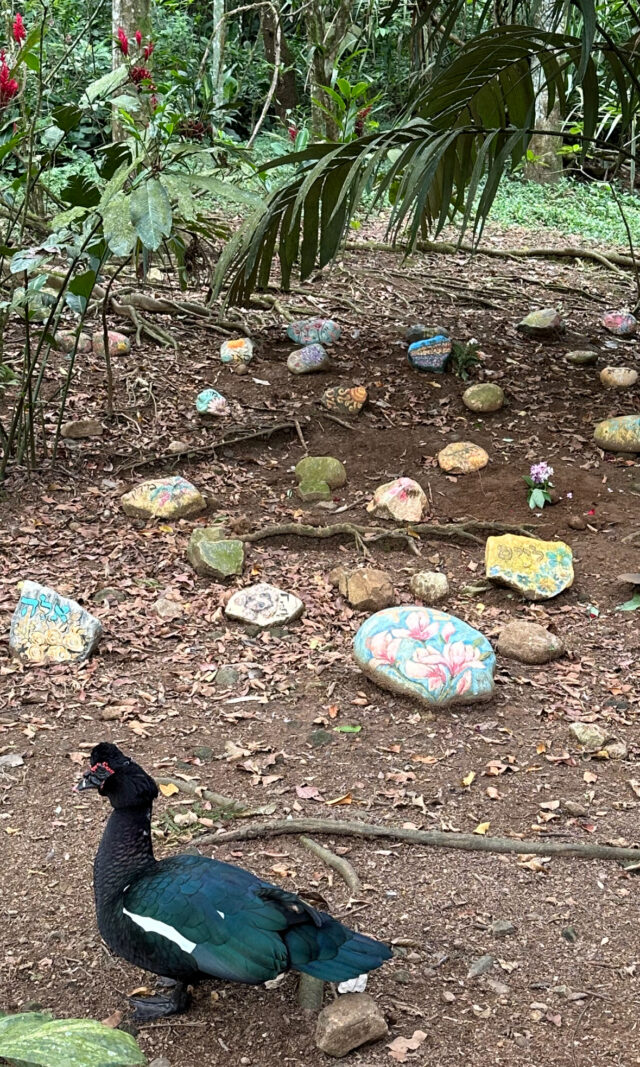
(311,490)
(483,397)
(213,557)
(321,469)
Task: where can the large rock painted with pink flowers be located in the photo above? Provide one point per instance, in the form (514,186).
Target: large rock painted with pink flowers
(426,654)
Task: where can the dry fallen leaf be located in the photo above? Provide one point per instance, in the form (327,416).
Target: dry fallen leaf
(399,1047)
(113,1020)
(469,778)
(482,828)
(492,792)
(168,790)
(635,785)
(589,777)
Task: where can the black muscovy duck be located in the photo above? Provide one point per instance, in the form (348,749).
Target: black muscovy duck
(188,917)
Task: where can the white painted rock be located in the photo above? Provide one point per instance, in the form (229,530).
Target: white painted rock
(49,628)
(402,499)
(163,498)
(264,605)
(618,377)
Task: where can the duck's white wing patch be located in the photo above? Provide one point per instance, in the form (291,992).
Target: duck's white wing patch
(154,926)
(353,985)
(220,913)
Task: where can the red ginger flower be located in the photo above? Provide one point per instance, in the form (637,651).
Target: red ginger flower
(140,74)
(8,85)
(293,133)
(148,49)
(360,120)
(19,32)
(123,41)
(138,37)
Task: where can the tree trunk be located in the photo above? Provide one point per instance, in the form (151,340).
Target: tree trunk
(286,94)
(327,25)
(131,15)
(546,164)
(217,53)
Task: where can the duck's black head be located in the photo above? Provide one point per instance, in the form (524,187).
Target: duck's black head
(117,777)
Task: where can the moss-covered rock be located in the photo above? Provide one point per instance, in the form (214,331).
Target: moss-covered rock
(213,556)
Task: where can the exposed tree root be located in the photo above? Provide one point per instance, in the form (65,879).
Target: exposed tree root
(226,804)
(364,535)
(236,435)
(612,260)
(338,863)
(431,838)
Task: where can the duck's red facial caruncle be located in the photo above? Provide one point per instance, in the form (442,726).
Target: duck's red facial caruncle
(94,778)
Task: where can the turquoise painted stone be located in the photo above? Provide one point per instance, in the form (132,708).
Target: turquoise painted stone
(314,331)
(431,354)
(426,654)
(211,402)
(307,360)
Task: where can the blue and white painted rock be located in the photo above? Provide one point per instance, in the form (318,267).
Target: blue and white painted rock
(307,360)
(239,350)
(312,331)
(426,654)
(431,354)
(620,323)
(211,402)
(49,628)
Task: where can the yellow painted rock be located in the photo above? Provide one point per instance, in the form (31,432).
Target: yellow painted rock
(163,498)
(462,457)
(621,434)
(537,569)
(618,377)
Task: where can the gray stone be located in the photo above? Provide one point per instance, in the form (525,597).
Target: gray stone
(572,807)
(503,928)
(617,749)
(49,628)
(529,642)
(82,428)
(429,586)
(348,1022)
(226,677)
(367,589)
(160,1061)
(215,558)
(582,357)
(576,522)
(318,476)
(320,738)
(542,325)
(483,397)
(117,596)
(420,331)
(480,966)
(167,609)
(264,606)
(588,735)
(11,760)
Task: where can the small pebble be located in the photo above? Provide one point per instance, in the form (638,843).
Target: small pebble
(576,522)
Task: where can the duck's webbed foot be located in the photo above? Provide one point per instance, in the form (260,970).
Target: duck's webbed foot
(148,1008)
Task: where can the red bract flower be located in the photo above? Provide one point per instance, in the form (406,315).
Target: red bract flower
(8,85)
(139,74)
(293,133)
(360,120)
(19,32)
(123,41)
(138,37)
(148,49)
(153,102)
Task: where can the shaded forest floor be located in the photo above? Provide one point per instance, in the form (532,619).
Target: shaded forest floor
(564,988)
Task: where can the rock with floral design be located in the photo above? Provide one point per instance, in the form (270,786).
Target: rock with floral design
(163,498)
(237,352)
(119,344)
(402,499)
(426,654)
(49,628)
(314,331)
(211,402)
(537,569)
(620,323)
(308,360)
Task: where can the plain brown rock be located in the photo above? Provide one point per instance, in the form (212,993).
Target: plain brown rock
(82,428)
(576,522)
(529,642)
(352,1020)
(367,589)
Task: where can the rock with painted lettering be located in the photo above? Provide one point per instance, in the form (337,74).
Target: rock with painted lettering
(618,377)
(621,434)
(537,569)
(264,605)
(462,457)
(50,628)
(163,498)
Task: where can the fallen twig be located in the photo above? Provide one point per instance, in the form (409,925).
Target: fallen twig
(431,838)
(236,435)
(338,863)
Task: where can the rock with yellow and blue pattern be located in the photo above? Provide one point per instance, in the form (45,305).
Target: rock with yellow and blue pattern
(431,354)
(537,569)
(49,628)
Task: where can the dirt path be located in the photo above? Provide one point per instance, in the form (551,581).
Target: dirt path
(563,988)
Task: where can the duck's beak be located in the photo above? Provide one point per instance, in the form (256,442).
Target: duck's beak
(94,778)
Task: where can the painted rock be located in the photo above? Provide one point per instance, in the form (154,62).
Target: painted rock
(618,377)
(211,402)
(66,341)
(49,628)
(537,569)
(238,351)
(462,457)
(483,397)
(619,323)
(311,331)
(419,331)
(542,325)
(402,499)
(214,556)
(426,654)
(318,476)
(163,498)
(308,360)
(82,428)
(346,401)
(621,434)
(582,357)
(431,353)
(119,345)
(264,605)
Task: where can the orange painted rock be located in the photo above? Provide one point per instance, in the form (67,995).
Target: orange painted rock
(462,457)
(344,400)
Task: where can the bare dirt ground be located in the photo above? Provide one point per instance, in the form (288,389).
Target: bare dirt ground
(563,989)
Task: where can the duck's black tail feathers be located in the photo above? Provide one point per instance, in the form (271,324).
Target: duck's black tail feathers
(321,946)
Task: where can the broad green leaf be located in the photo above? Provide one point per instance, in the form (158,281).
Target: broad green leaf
(118,230)
(67,117)
(34,1038)
(26,259)
(102,88)
(80,191)
(630,605)
(126,102)
(150,210)
(347,729)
